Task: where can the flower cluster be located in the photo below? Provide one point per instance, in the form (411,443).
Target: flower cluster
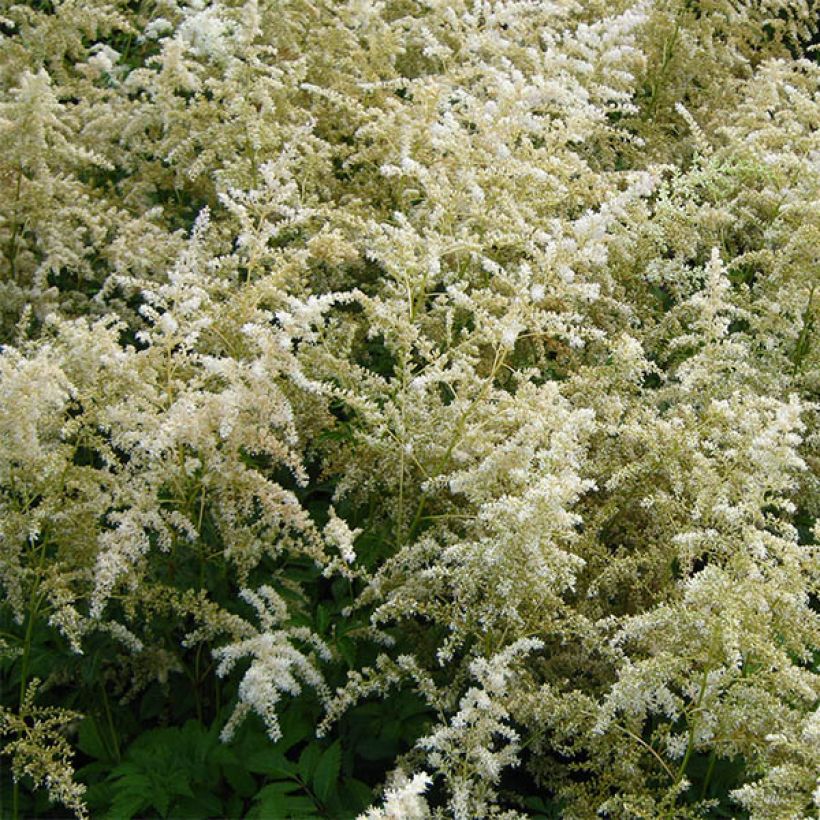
(501,315)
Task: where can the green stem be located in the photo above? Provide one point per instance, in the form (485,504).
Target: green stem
(666,59)
(112,731)
(24,663)
(12,248)
(646,746)
(197,676)
(709,770)
(130,40)
(15,800)
(402,452)
(445,460)
(802,345)
(33,606)
(690,745)
(692,726)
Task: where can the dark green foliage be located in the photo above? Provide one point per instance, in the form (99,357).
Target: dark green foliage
(155,751)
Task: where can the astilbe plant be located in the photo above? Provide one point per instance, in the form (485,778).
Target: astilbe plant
(526,293)
(40,750)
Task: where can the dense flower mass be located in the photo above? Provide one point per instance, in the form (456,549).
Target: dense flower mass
(454,354)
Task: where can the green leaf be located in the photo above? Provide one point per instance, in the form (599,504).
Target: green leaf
(129,773)
(327,771)
(239,779)
(201,805)
(271,763)
(235,807)
(308,761)
(90,741)
(377,748)
(322,618)
(541,809)
(391,730)
(295,727)
(98,797)
(275,801)
(161,801)
(356,794)
(125,806)
(152,703)
(347,649)
(280,788)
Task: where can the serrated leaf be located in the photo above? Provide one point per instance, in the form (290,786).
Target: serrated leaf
(90,741)
(94,771)
(125,806)
(98,797)
(295,728)
(347,649)
(161,801)
(308,761)
(322,618)
(201,805)
(130,772)
(239,779)
(285,807)
(392,730)
(281,787)
(327,771)
(271,763)
(276,801)
(180,787)
(356,794)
